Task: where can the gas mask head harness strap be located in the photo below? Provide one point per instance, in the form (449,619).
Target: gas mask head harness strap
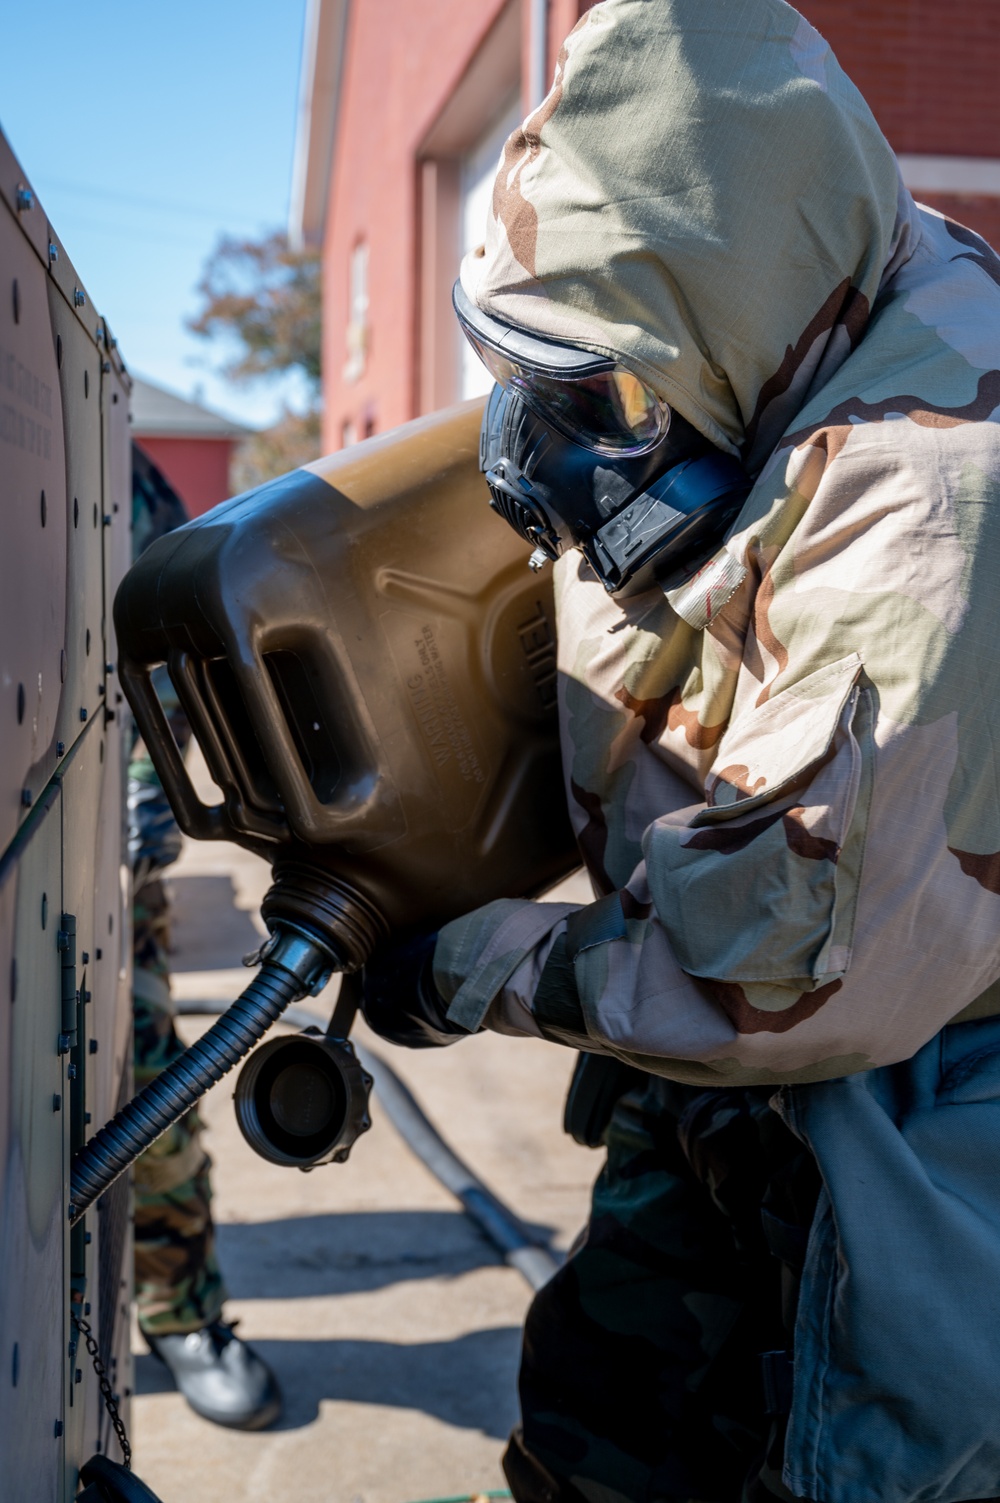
(579,452)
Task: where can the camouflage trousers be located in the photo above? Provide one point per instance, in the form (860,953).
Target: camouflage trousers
(641,1376)
(178,1285)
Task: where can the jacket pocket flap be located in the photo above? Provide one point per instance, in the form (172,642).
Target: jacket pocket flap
(778,746)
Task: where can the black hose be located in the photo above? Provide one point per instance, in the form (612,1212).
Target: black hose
(290,969)
(502,1227)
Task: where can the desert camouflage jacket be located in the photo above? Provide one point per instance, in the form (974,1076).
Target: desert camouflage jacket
(784,775)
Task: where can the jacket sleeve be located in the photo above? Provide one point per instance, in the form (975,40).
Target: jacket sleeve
(794,934)
(807,920)
(729,935)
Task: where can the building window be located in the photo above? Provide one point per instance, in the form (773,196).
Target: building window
(348,433)
(357,317)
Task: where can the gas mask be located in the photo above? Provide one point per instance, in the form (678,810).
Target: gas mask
(579,452)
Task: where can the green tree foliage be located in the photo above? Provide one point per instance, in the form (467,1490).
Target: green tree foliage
(262,300)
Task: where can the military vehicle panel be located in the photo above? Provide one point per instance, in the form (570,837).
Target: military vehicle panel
(65,1020)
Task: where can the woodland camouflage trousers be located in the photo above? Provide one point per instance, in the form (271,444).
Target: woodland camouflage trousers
(641,1375)
(177,1280)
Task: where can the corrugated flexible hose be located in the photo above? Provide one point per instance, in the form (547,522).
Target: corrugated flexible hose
(292,966)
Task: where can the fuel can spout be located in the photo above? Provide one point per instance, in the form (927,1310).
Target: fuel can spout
(318,926)
(296,964)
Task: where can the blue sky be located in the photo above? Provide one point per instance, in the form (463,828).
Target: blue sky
(147,130)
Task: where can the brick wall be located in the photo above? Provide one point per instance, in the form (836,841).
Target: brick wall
(931,74)
(930,71)
(402,63)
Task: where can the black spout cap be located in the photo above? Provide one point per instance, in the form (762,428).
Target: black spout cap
(303,1100)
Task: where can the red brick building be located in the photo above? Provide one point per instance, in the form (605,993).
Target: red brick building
(190,444)
(403,110)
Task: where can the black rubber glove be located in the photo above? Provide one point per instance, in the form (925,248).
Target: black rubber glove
(399,999)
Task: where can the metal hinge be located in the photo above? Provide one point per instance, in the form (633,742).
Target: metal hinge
(66,945)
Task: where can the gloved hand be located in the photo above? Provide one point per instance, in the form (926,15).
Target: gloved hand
(399,1000)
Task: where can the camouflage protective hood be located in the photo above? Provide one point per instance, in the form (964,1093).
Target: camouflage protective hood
(727,240)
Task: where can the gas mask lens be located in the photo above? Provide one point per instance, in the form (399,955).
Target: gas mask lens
(587,398)
(613,412)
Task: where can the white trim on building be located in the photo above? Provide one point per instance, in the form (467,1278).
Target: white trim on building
(316,127)
(941,174)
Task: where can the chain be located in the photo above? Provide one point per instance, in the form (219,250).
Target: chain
(110,1401)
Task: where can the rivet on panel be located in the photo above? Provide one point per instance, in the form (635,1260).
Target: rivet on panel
(95,513)
(15,1365)
(86,383)
(16,300)
(76,512)
(45,909)
(20,704)
(59,351)
(44,509)
(86,642)
(97,955)
(100,752)
(62,668)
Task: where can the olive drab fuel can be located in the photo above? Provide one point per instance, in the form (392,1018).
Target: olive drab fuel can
(369,667)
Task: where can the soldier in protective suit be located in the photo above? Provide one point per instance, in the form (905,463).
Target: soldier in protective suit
(782,768)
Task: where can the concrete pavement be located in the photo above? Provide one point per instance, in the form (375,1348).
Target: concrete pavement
(392,1323)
